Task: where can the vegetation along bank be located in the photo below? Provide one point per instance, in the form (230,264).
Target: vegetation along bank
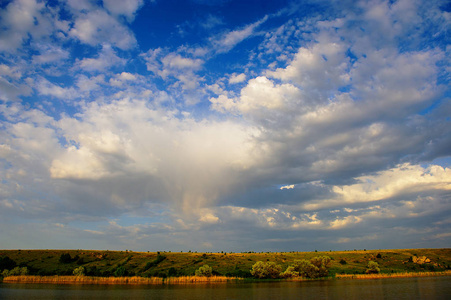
(129,267)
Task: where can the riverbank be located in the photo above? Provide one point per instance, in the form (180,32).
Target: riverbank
(392,275)
(137,280)
(118,280)
(129,264)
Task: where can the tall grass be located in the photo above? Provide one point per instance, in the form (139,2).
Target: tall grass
(392,275)
(117,280)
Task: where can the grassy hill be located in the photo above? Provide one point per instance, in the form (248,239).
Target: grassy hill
(162,264)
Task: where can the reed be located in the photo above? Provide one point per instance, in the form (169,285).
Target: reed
(117,280)
(393,275)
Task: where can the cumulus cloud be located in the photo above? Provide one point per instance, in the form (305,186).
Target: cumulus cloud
(332,125)
(19,19)
(98,27)
(47,88)
(106,59)
(126,8)
(193,161)
(237,78)
(50,54)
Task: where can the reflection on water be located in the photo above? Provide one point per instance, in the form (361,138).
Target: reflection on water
(394,288)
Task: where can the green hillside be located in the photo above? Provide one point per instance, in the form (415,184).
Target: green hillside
(162,264)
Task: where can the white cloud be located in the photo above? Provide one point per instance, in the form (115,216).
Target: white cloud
(194,162)
(87,84)
(237,78)
(46,88)
(287,187)
(106,59)
(229,40)
(10,71)
(318,69)
(176,61)
(127,8)
(208,217)
(260,95)
(402,180)
(176,66)
(50,54)
(122,78)
(97,27)
(10,91)
(18,17)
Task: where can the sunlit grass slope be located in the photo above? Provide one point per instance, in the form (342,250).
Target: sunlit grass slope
(171,264)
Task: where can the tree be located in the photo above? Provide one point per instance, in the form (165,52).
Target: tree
(322,263)
(120,271)
(7,263)
(316,267)
(305,268)
(372,268)
(290,272)
(205,271)
(65,258)
(80,271)
(266,270)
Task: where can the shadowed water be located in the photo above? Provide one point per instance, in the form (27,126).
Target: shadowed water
(394,288)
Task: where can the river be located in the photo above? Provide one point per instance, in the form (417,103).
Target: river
(393,288)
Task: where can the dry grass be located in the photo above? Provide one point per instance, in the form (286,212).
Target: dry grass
(116,280)
(392,275)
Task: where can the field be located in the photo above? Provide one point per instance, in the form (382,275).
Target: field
(130,264)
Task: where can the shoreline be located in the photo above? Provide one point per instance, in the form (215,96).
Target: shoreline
(136,280)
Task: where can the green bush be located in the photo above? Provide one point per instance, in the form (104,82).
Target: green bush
(317,267)
(15,272)
(205,270)
(120,271)
(323,264)
(80,271)
(266,270)
(373,268)
(289,273)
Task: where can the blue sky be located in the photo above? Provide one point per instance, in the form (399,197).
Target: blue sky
(225,125)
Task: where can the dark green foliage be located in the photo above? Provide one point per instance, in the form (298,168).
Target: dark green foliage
(80,261)
(343,262)
(7,263)
(93,271)
(120,271)
(65,258)
(172,272)
(154,263)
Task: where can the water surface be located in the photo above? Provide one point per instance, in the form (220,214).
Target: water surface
(392,288)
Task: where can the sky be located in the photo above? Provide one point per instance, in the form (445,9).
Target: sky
(225,125)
